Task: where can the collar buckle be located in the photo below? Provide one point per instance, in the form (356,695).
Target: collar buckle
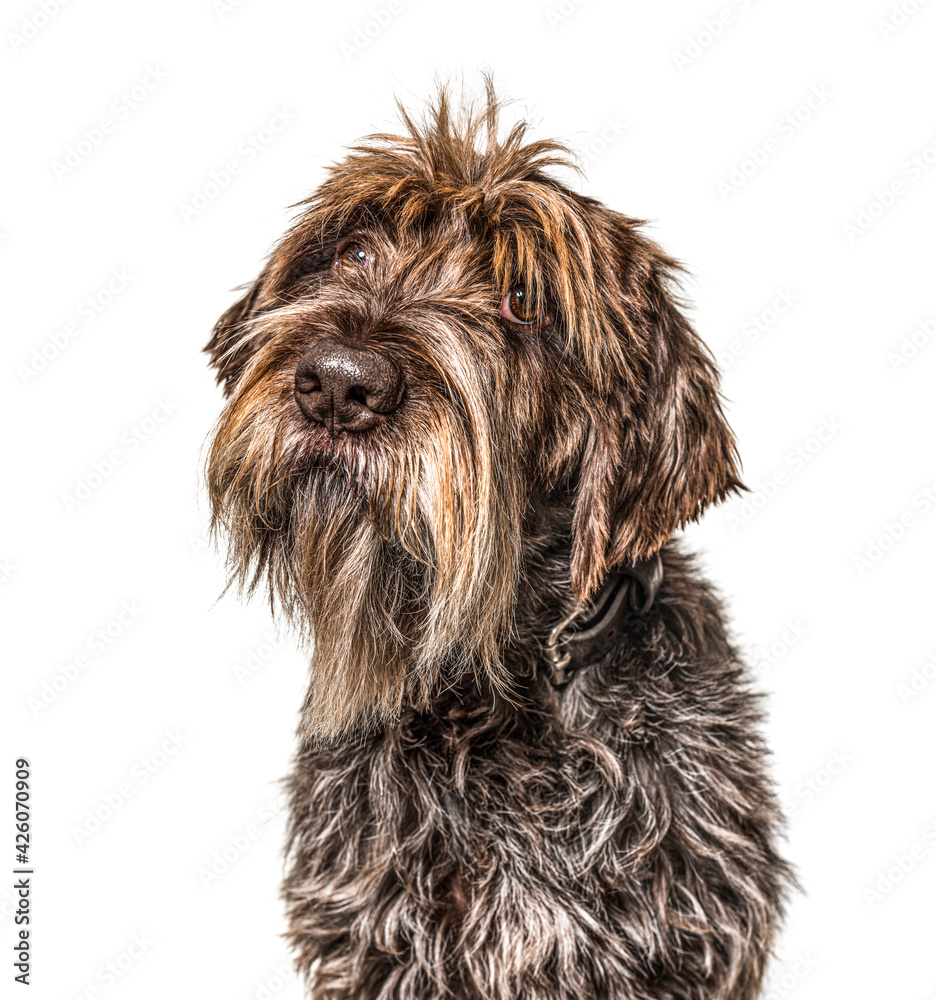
(559,660)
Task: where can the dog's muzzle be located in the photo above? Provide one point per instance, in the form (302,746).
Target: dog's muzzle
(347,388)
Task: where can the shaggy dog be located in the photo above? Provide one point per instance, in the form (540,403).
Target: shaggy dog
(464,417)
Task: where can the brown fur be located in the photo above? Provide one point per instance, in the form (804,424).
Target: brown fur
(460,827)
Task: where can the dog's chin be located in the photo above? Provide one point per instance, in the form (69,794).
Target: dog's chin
(362,456)
(351,573)
(399,563)
(320,441)
(391,626)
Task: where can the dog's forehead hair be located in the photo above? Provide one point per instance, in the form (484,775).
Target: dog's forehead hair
(525,232)
(455,184)
(435,252)
(457,179)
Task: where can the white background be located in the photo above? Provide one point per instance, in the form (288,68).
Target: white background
(845,649)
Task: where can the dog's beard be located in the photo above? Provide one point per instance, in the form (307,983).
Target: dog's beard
(398,560)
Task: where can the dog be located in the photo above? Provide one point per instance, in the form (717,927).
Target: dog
(465,417)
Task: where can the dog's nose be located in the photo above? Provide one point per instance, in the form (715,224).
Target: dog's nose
(346,388)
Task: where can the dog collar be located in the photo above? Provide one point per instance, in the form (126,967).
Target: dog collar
(567,651)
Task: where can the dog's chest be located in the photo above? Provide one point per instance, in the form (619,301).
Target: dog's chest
(453,811)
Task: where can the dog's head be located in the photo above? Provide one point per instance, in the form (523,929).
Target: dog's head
(446,334)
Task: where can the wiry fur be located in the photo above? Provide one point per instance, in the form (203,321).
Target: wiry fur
(461,828)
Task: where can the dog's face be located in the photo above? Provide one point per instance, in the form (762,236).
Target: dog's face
(446,335)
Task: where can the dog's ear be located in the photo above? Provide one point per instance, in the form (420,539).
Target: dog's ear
(231,344)
(662,451)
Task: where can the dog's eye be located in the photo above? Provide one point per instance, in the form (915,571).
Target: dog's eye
(522,308)
(352,255)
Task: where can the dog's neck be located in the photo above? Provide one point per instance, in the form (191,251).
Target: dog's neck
(582,634)
(550,622)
